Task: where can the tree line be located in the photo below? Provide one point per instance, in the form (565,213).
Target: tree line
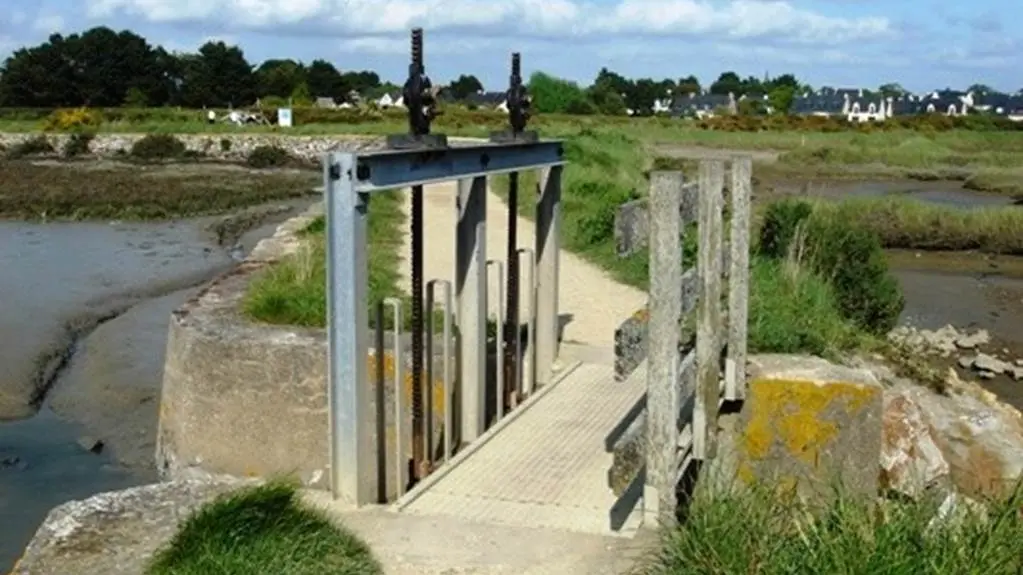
(101,67)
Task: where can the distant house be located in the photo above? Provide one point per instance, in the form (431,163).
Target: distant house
(325,102)
(703,105)
(946,102)
(395,100)
(855,105)
(489,100)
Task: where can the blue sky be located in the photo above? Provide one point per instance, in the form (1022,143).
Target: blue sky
(922,44)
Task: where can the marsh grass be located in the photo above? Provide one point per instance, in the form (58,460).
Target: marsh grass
(763,532)
(911,224)
(263,529)
(71,191)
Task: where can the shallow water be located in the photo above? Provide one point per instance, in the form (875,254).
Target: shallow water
(938,192)
(69,274)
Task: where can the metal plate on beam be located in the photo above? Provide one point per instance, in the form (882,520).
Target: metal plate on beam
(390,169)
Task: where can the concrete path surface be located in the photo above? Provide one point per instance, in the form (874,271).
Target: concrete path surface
(426,545)
(591,302)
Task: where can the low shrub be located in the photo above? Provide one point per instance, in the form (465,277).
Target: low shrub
(157,147)
(269,157)
(77,144)
(36,146)
(792,310)
(73,120)
(848,256)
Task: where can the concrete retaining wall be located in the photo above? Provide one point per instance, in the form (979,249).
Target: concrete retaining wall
(247,399)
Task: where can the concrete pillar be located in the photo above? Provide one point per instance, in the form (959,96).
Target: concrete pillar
(471,298)
(548,250)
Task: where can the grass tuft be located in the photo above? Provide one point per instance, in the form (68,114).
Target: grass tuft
(263,529)
(756,531)
(294,291)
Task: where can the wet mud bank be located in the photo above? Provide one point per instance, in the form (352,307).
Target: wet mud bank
(83,333)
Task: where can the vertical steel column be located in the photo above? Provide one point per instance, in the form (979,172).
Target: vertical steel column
(420,461)
(511,321)
(471,295)
(548,231)
(351,448)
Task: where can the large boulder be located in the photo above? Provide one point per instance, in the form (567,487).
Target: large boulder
(116,533)
(811,424)
(980,441)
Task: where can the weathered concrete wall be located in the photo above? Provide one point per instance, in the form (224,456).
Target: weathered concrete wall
(248,399)
(116,532)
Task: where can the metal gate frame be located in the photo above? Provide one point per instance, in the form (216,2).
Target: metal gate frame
(350,181)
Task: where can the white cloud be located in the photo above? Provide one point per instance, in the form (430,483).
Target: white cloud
(48,23)
(777,20)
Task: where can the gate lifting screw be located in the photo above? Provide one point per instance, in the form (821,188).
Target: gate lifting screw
(418,91)
(518,98)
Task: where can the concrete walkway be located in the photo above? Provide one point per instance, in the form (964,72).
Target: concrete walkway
(590,301)
(409,544)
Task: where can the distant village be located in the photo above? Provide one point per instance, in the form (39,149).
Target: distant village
(855,105)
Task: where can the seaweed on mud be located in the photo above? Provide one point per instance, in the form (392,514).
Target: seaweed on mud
(80,192)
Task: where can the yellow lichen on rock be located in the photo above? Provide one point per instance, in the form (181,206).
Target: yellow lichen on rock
(809,422)
(793,413)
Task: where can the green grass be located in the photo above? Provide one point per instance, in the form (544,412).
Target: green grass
(794,311)
(294,292)
(760,533)
(259,530)
(911,224)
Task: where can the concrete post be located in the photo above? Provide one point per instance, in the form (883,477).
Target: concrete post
(471,296)
(659,498)
(548,251)
(738,279)
(709,327)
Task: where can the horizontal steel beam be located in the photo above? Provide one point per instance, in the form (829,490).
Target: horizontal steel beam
(390,169)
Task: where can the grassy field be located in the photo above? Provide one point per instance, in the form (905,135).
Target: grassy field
(78,191)
(263,530)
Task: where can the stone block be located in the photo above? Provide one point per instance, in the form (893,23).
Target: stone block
(630,343)
(811,425)
(631,228)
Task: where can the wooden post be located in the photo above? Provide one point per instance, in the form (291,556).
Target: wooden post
(709,328)
(738,279)
(659,498)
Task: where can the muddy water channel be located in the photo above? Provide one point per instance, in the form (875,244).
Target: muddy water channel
(83,322)
(964,289)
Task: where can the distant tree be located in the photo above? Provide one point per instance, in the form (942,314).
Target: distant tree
(362,81)
(556,95)
(727,82)
(219,75)
(135,98)
(279,77)
(891,90)
(465,86)
(95,68)
(688,85)
(324,80)
(780,98)
(981,89)
(643,95)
